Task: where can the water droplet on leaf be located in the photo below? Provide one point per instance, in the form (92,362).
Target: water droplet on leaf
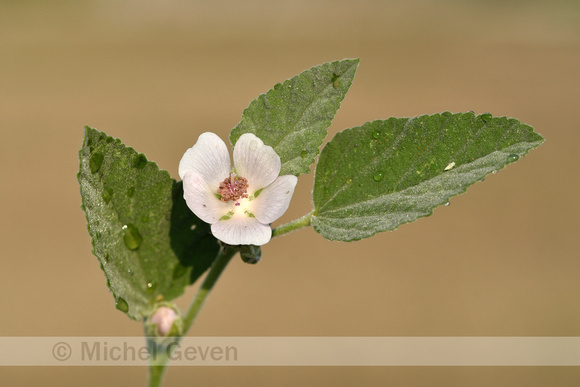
(513,157)
(130,271)
(348,181)
(378,176)
(95,162)
(447,204)
(376,134)
(151,287)
(132,237)
(140,161)
(122,305)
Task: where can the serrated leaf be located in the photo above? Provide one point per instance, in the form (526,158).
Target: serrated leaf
(150,246)
(382,174)
(293,116)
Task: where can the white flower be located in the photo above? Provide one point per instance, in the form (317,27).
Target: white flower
(239,204)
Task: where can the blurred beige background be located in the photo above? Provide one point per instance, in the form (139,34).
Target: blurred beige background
(501,260)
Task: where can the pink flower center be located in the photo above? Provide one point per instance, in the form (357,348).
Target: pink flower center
(233,188)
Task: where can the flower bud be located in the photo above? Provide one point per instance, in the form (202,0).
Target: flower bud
(166,321)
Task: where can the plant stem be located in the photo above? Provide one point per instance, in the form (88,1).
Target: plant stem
(222,260)
(156,373)
(293,226)
(157,370)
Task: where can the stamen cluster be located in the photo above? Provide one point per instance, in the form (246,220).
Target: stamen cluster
(233,188)
(239,214)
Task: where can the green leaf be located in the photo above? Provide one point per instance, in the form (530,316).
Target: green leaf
(378,176)
(293,116)
(149,244)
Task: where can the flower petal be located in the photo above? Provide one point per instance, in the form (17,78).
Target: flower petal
(256,162)
(208,158)
(274,200)
(201,200)
(242,230)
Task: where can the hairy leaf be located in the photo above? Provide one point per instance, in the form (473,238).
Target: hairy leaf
(294,115)
(382,174)
(150,246)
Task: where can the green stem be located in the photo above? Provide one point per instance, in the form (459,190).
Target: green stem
(157,370)
(293,226)
(224,257)
(156,373)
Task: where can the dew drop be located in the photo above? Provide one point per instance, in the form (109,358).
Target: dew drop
(378,176)
(140,161)
(95,162)
(130,271)
(131,192)
(303,154)
(513,157)
(348,181)
(447,204)
(107,195)
(151,287)
(122,305)
(376,134)
(132,237)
